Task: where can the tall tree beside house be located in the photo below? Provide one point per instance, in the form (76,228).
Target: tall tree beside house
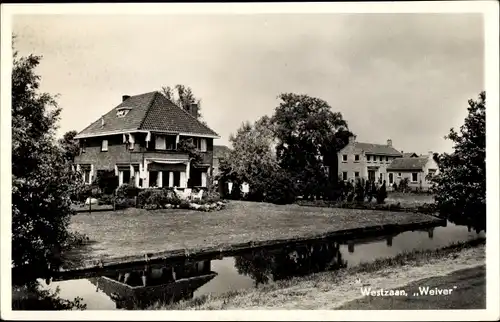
(69,145)
(308,135)
(182,96)
(460,186)
(253,160)
(41,179)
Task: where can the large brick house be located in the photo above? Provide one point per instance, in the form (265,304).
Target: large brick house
(359,160)
(379,162)
(138,140)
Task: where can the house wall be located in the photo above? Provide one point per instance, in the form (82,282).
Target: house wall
(351,166)
(421,175)
(118,153)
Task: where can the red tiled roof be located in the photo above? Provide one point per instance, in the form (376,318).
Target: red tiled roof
(148,112)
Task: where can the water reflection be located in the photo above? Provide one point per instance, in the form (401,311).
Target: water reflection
(293,260)
(169,283)
(162,283)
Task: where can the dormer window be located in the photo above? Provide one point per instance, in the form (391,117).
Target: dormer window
(121,112)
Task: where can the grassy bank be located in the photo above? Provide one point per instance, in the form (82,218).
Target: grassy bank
(131,233)
(329,290)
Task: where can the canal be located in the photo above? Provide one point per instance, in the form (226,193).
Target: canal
(258,267)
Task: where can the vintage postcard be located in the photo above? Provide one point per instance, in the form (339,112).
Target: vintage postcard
(301,161)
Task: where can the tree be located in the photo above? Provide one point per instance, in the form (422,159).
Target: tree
(70,145)
(182,96)
(460,185)
(252,158)
(309,135)
(41,178)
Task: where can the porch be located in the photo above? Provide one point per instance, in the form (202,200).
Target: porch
(163,173)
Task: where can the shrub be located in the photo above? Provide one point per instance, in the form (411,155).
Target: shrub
(211,197)
(281,189)
(107,181)
(359,191)
(127,191)
(381,194)
(106,200)
(123,203)
(184,204)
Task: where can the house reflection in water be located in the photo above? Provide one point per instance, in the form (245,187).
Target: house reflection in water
(155,283)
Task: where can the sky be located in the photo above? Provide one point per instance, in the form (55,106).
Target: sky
(405,77)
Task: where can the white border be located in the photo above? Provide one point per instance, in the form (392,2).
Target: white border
(490,12)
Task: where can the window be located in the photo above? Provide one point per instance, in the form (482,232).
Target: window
(344,157)
(177,179)
(391,178)
(381,158)
(203,145)
(170,142)
(399,175)
(160,143)
(368,158)
(153,178)
(387,159)
(344,176)
(86,176)
(356,157)
(414,177)
(356,174)
(104,146)
(122,112)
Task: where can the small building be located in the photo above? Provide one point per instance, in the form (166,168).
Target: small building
(139,140)
(366,160)
(418,171)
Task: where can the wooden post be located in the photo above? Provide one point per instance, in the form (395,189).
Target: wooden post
(90,201)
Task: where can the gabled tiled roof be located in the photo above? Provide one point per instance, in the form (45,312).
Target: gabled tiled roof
(379,149)
(220,150)
(410,155)
(408,164)
(148,112)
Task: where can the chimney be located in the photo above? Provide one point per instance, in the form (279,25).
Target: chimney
(193,109)
(125,97)
(352,139)
(431,154)
(389,142)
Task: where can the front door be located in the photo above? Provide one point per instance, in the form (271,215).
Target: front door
(371,175)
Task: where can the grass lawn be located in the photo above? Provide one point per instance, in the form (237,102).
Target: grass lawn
(135,232)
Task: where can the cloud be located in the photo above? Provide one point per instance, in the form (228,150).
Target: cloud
(402,76)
